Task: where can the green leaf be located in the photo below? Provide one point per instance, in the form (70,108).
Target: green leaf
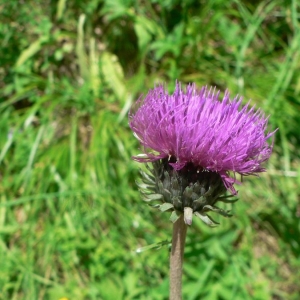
(31,50)
(152,197)
(113,74)
(154,205)
(143,34)
(175,216)
(61,6)
(206,219)
(166,206)
(217,210)
(155,246)
(147,178)
(227,199)
(145,186)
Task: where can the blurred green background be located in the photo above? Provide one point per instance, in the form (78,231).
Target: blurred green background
(71,217)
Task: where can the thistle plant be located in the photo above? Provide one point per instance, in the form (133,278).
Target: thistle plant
(194,145)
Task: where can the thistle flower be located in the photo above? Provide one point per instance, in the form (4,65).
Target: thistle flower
(196,144)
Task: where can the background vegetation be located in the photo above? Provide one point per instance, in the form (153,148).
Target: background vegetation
(71,218)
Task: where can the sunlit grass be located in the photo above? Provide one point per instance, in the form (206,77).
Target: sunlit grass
(71,218)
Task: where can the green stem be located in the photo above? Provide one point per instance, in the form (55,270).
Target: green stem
(176,258)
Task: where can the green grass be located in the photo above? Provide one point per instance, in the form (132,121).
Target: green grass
(71,218)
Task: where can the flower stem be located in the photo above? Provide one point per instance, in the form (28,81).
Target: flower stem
(176,258)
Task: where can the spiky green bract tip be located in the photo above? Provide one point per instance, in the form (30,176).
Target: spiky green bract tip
(190,191)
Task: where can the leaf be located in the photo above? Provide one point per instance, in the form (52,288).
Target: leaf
(61,6)
(94,76)
(154,205)
(147,177)
(113,74)
(227,199)
(145,186)
(206,219)
(152,197)
(31,50)
(146,29)
(166,206)
(217,210)
(155,246)
(175,216)
(82,58)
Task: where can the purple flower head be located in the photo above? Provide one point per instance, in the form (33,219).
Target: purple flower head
(194,127)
